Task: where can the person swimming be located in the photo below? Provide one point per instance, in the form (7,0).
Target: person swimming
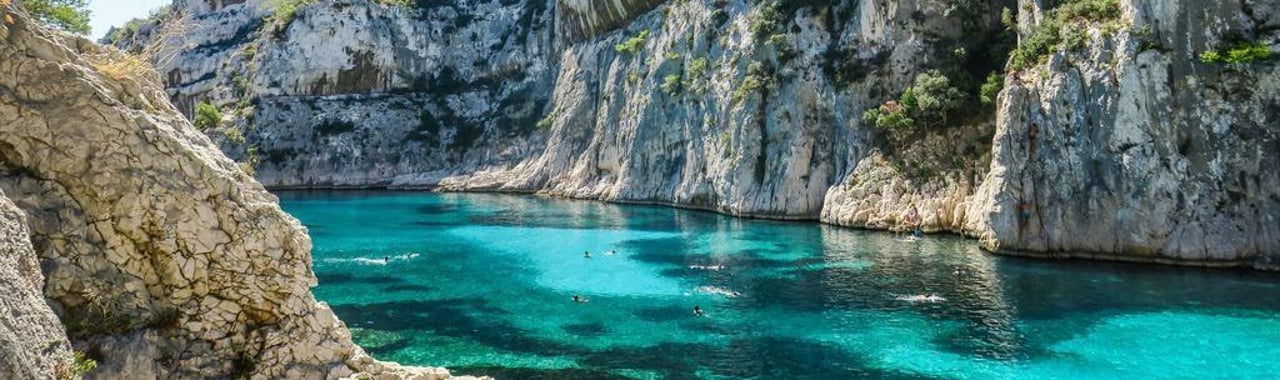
(611,253)
(697,311)
(586,254)
(386,259)
(579,299)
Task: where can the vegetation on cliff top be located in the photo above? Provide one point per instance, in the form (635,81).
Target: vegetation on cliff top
(1063,28)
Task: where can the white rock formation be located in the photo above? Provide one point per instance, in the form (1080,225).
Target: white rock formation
(733,107)
(1133,149)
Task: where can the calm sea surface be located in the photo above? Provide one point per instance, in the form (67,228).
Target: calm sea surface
(483,284)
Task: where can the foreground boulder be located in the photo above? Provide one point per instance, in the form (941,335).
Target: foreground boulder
(160,255)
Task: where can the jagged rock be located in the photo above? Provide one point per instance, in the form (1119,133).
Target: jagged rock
(163,258)
(1133,149)
(464,118)
(357,93)
(33,344)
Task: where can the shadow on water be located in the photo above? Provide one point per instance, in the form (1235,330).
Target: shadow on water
(662,314)
(538,374)
(585,329)
(335,278)
(410,288)
(762,358)
(471,319)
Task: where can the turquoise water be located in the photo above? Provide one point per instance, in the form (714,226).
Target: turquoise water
(483,283)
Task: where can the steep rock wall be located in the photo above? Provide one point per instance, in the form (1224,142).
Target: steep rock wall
(752,108)
(746,108)
(358,93)
(1131,148)
(749,109)
(162,257)
(33,344)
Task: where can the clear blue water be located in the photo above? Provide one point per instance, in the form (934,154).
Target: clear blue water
(483,283)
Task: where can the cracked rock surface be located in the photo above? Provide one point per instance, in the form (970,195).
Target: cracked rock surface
(159,254)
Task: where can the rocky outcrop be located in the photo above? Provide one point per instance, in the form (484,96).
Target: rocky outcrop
(740,107)
(33,344)
(1131,148)
(753,108)
(162,257)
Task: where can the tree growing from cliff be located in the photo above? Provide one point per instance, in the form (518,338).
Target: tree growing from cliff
(67,15)
(207,116)
(991,89)
(1239,53)
(929,102)
(633,44)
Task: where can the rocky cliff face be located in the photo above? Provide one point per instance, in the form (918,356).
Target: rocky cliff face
(162,258)
(1132,148)
(33,344)
(747,108)
(753,108)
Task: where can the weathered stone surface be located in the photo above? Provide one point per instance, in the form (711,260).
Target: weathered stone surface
(1132,149)
(33,344)
(161,256)
(463,117)
(1140,157)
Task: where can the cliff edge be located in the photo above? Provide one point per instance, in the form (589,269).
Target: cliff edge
(161,257)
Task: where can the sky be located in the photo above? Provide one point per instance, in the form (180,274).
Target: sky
(108,13)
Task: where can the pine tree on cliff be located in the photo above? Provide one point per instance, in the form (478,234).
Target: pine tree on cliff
(68,15)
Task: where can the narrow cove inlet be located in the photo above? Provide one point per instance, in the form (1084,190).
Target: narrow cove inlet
(484,284)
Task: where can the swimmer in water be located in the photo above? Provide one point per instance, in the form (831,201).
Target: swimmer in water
(697,311)
(579,299)
(386,259)
(586,254)
(611,253)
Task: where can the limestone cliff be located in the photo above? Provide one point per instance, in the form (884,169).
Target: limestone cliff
(33,344)
(754,108)
(1132,148)
(748,108)
(162,258)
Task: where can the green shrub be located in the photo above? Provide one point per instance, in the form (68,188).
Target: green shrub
(930,101)
(991,89)
(768,21)
(697,70)
(935,97)
(284,12)
(207,116)
(671,84)
(79,366)
(757,78)
(547,121)
(1008,19)
(698,67)
(633,44)
(1062,28)
(1239,53)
